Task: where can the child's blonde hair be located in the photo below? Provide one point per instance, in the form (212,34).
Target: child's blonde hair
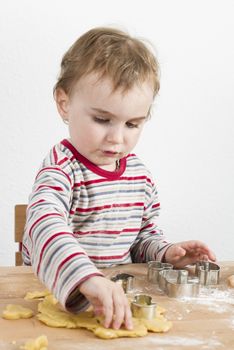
(109,53)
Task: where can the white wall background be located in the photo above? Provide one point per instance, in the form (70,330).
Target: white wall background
(189,142)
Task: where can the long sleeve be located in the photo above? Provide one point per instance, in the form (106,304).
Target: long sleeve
(49,245)
(150,243)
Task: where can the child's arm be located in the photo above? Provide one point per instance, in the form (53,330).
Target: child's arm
(150,243)
(49,245)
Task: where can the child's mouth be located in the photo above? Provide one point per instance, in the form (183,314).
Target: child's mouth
(111,153)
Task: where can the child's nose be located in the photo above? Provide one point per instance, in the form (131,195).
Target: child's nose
(115,135)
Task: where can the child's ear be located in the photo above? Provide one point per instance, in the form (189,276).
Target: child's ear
(62,102)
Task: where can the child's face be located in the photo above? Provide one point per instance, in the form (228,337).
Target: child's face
(104,125)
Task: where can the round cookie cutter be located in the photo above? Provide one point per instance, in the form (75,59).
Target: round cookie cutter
(143,307)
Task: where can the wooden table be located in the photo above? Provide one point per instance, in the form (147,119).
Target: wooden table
(200,323)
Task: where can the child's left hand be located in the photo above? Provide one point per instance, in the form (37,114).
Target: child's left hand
(187,253)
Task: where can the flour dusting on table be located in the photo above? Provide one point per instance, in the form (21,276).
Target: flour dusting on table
(217,299)
(185,341)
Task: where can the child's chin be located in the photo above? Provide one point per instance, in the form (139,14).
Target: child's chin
(109,166)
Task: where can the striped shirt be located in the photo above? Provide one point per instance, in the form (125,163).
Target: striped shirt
(81,218)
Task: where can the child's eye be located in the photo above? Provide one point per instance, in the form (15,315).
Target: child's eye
(131,125)
(101,120)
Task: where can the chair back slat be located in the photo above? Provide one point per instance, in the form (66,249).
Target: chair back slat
(20,219)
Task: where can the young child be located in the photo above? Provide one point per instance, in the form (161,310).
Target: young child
(94,204)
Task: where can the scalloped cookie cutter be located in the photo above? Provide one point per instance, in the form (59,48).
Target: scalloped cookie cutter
(178,283)
(154,268)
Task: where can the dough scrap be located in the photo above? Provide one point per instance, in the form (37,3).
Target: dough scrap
(37,294)
(230,281)
(15,312)
(158,325)
(53,316)
(40,343)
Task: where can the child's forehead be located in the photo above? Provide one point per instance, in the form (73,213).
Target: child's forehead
(95,81)
(98,94)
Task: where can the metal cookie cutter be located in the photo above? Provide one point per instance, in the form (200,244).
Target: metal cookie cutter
(143,307)
(178,284)
(126,280)
(207,272)
(154,268)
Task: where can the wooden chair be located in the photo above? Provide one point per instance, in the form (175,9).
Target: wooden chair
(20,219)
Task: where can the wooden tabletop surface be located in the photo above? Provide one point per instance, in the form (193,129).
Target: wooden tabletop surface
(205,322)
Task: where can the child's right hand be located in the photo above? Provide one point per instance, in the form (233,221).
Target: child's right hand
(108,299)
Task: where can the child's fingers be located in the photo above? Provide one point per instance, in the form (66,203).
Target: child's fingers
(98,310)
(119,309)
(195,245)
(204,253)
(188,252)
(128,317)
(198,246)
(107,310)
(178,251)
(211,255)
